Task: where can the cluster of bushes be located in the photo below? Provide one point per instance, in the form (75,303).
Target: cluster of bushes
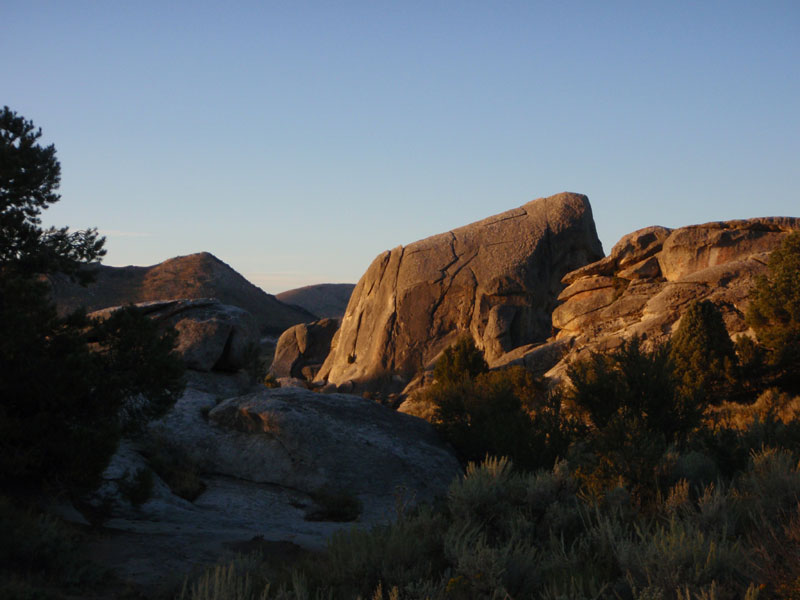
(657,472)
(505,533)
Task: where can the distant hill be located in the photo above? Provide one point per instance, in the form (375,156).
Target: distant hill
(200,275)
(324,299)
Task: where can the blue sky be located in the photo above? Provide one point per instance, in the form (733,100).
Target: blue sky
(297,140)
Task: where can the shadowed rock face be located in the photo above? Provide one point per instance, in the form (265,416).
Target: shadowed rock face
(302,349)
(211,335)
(650,277)
(496,280)
(200,275)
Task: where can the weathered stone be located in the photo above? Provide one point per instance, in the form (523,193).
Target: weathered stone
(211,335)
(589,283)
(536,358)
(698,247)
(302,440)
(495,280)
(630,250)
(716,261)
(572,314)
(196,276)
(645,269)
(639,245)
(303,345)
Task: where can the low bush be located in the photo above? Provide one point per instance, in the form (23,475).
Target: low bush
(502,533)
(41,557)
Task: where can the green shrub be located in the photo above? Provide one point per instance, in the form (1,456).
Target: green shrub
(635,409)
(774,312)
(462,360)
(506,412)
(702,354)
(483,416)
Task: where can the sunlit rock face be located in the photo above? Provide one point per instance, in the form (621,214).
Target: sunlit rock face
(496,280)
(651,275)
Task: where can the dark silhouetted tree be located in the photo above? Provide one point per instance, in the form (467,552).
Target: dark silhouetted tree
(774,311)
(68,386)
(702,354)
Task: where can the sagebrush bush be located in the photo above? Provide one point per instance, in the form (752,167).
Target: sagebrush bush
(502,533)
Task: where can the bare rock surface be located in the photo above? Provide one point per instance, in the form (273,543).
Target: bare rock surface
(651,275)
(263,457)
(200,275)
(302,349)
(326,300)
(211,335)
(496,280)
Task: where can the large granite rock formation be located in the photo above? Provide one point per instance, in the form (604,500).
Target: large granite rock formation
(326,300)
(211,335)
(495,280)
(200,275)
(651,275)
(302,349)
(263,457)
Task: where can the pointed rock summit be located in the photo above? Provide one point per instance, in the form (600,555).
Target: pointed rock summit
(200,275)
(496,280)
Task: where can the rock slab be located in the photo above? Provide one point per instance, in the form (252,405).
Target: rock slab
(651,275)
(211,335)
(302,349)
(496,280)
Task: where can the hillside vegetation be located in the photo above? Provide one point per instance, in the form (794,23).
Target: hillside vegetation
(668,473)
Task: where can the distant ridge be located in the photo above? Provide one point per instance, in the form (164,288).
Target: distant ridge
(200,275)
(327,300)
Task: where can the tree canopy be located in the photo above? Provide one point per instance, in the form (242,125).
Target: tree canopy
(29,177)
(702,353)
(774,311)
(69,386)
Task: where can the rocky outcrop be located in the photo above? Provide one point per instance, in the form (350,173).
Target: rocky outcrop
(302,349)
(299,439)
(326,300)
(496,280)
(211,335)
(651,275)
(200,275)
(263,457)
